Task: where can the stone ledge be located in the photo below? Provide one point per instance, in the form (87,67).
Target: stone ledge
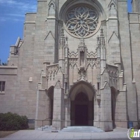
(8,67)
(8,70)
(30,22)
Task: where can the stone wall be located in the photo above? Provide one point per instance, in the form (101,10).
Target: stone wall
(135,46)
(44,42)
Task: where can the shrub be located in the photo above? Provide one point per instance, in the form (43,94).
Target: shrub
(10,121)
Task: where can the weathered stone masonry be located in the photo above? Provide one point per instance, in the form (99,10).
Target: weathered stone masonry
(78,64)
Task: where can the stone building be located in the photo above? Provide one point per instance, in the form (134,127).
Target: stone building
(78,64)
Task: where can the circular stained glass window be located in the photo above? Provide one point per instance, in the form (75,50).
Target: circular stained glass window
(82,21)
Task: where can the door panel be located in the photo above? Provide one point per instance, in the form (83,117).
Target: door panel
(81,115)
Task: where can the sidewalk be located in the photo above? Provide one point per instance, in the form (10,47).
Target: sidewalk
(42,135)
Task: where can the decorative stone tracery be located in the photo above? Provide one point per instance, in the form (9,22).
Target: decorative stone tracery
(51,11)
(82,21)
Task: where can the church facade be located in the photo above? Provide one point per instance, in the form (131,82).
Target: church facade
(77,65)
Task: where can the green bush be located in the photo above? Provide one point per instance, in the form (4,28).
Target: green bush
(10,121)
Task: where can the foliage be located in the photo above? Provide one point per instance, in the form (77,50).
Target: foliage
(10,121)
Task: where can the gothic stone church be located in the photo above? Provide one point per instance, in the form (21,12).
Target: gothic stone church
(78,64)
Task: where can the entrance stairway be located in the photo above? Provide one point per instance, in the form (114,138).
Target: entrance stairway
(81,129)
(78,129)
(47,128)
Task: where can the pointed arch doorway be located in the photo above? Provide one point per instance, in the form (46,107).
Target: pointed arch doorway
(82,104)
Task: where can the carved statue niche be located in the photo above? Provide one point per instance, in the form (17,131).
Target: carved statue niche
(82,74)
(82,52)
(82,49)
(82,58)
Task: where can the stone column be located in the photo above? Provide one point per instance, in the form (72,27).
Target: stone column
(58,107)
(37,105)
(42,109)
(106,119)
(121,110)
(67,112)
(121,103)
(126,51)
(96,113)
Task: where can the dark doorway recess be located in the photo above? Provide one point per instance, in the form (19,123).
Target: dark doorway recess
(81,115)
(50,95)
(113,105)
(82,110)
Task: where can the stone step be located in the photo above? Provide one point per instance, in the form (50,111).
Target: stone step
(47,128)
(87,129)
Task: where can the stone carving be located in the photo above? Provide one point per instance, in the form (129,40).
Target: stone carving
(82,21)
(82,73)
(91,54)
(113,75)
(73,54)
(51,8)
(52,71)
(16,50)
(112,9)
(73,61)
(82,42)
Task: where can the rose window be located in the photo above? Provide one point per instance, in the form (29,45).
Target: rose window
(82,21)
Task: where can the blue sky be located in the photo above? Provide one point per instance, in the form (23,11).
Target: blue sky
(12,13)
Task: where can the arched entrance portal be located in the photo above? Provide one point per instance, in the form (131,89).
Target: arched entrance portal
(82,105)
